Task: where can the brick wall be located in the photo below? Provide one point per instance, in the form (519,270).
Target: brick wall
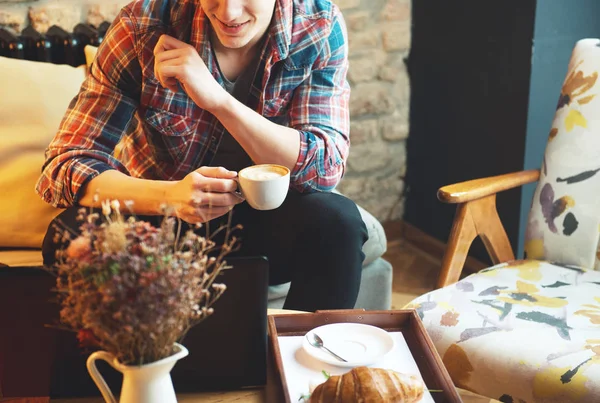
(42,14)
(379,36)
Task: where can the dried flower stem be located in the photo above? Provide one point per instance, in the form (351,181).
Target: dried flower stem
(133,289)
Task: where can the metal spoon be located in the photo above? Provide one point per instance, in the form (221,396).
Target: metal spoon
(318,342)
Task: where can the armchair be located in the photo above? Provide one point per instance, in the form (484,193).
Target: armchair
(529,330)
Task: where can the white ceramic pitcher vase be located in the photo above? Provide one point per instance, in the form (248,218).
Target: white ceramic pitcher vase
(150,383)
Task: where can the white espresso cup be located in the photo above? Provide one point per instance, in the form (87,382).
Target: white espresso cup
(264,186)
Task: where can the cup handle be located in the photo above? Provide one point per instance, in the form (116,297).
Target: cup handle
(97,377)
(239,192)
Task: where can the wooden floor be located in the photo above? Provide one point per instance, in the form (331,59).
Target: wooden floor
(415,271)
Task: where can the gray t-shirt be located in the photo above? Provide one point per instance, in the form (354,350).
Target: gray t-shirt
(229,153)
(229,85)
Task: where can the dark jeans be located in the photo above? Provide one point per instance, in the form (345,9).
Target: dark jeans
(313,240)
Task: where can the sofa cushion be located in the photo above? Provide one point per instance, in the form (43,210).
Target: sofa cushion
(376,245)
(37,96)
(21,258)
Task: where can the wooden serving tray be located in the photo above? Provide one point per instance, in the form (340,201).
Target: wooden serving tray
(408,322)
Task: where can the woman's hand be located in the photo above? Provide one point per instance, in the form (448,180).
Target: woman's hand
(178,62)
(204,194)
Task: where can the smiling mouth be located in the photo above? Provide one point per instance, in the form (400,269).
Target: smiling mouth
(232,25)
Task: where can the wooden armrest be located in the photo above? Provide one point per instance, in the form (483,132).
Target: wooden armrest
(478,188)
(476,215)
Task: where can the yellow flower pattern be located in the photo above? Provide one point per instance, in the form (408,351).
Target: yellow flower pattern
(592,312)
(527,294)
(527,269)
(574,93)
(575,118)
(547,384)
(534,248)
(567,383)
(576,86)
(458,365)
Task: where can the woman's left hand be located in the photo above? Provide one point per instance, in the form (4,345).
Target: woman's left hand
(178,62)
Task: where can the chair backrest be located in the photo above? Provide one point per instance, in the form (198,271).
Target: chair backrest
(564,220)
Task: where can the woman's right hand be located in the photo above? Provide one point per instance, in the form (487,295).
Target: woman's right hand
(204,194)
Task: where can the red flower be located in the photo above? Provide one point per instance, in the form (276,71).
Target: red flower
(87,339)
(79,249)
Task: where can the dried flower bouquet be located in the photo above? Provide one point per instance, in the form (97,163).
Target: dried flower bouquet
(133,289)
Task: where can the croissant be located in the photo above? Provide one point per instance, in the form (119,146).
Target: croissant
(366,385)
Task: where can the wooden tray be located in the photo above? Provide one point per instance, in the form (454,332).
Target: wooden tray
(408,322)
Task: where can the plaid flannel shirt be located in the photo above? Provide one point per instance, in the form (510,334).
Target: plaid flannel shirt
(124,119)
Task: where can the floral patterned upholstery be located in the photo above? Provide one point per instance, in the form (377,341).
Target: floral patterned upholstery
(524,331)
(529,330)
(564,219)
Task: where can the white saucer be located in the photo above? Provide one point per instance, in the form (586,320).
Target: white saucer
(356,343)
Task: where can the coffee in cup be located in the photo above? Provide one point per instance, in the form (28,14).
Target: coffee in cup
(264,186)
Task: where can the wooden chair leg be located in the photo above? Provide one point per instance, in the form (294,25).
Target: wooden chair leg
(473,218)
(490,229)
(461,236)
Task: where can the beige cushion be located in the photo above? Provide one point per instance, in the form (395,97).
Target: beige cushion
(21,258)
(90,54)
(36,96)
